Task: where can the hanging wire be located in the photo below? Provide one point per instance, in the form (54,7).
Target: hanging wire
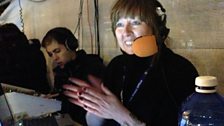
(79,17)
(96,26)
(4,2)
(77,28)
(21,16)
(90,29)
(37,0)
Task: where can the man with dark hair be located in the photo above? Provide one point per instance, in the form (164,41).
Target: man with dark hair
(61,45)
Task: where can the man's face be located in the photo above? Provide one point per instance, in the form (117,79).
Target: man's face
(59,54)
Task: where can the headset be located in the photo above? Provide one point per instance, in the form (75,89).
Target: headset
(163,30)
(64,36)
(149,45)
(71,43)
(163,33)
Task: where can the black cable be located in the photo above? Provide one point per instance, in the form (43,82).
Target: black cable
(37,0)
(4,2)
(97,26)
(79,19)
(21,16)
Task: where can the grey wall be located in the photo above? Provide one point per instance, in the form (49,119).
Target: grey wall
(197,28)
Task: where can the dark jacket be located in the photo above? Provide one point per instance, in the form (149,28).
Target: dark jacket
(81,67)
(168,82)
(23,65)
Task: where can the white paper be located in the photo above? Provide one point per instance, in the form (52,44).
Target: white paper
(33,106)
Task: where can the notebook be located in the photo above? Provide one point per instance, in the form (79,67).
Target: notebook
(18,109)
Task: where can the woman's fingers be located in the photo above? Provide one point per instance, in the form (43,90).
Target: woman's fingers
(95,82)
(71,94)
(73,97)
(92,93)
(76,101)
(71,87)
(93,111)
(78,82)
(106,90)
(88,103)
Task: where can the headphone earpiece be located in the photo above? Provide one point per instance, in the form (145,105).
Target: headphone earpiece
(71,44)
(163,30)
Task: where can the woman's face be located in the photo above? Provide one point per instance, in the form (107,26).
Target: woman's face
(128,29)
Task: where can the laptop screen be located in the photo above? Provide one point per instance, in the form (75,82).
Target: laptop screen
(6,118)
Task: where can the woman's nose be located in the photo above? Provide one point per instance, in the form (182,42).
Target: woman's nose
(127,30)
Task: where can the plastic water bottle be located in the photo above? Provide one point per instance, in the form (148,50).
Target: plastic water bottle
(205,107)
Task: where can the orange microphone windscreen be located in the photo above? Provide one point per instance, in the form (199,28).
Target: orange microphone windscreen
(145,46)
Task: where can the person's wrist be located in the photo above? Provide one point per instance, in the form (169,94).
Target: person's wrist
(122,116)
(132,120)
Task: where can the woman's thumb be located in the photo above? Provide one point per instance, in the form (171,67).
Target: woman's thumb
(105,89)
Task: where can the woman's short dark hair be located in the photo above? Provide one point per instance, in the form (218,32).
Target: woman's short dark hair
(147,12)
